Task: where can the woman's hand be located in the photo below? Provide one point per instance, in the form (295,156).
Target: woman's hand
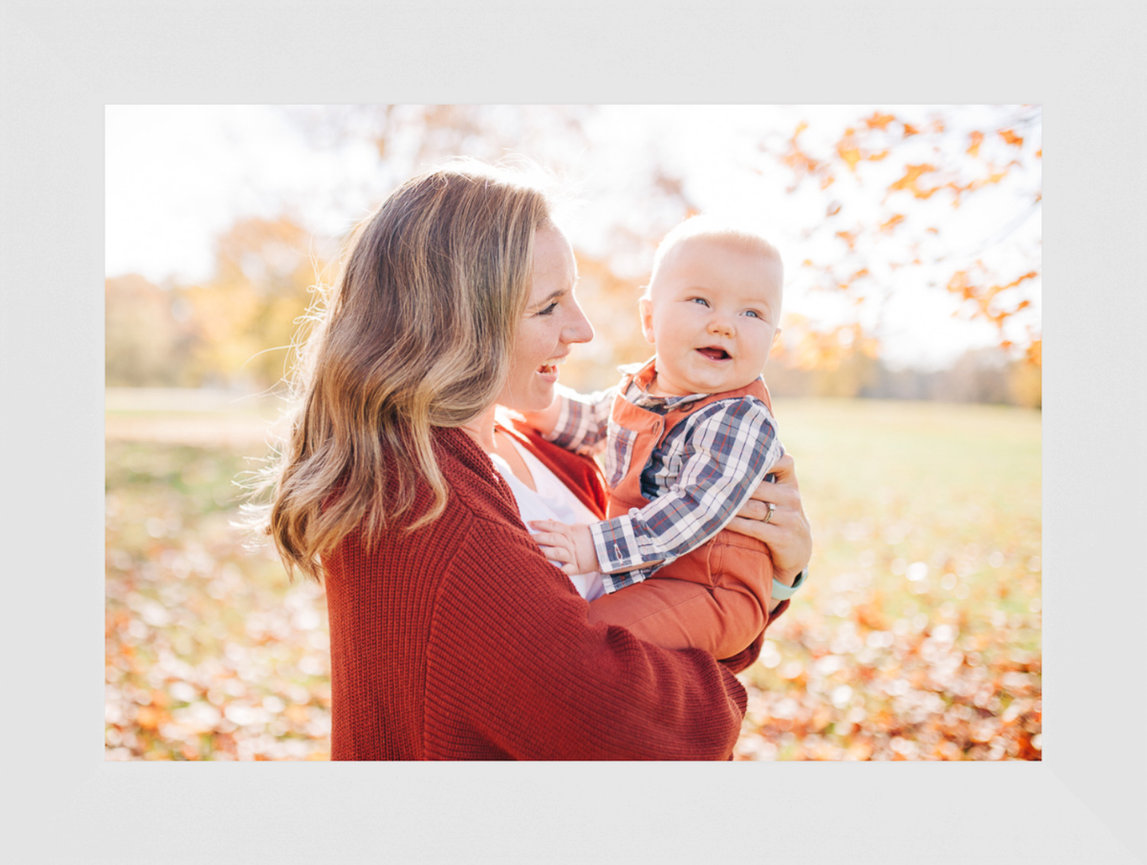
(787,533)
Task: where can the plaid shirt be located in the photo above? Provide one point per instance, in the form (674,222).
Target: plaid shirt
(702,474)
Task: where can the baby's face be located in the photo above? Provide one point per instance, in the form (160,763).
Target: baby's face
(712,313)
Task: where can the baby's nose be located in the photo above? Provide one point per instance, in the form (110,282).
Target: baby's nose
(720,325)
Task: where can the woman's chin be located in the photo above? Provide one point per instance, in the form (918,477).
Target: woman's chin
(536,397)
(541,401)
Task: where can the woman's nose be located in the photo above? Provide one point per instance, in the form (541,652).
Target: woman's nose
(578,329)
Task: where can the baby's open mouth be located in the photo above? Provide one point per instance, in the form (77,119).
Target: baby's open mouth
(714,353)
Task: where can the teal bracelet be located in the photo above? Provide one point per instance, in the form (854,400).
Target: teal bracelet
(781,592)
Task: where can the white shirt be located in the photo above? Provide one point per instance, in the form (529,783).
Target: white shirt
(552,500)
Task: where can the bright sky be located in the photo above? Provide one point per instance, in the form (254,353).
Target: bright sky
(176,176)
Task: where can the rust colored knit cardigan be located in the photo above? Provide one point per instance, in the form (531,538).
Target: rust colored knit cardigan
(460,641)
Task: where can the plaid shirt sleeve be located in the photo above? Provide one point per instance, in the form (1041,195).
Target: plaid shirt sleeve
(731,447)
(582,420)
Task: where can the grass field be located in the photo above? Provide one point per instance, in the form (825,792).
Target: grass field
(917,636)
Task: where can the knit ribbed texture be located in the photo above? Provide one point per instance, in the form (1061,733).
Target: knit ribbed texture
(460,641)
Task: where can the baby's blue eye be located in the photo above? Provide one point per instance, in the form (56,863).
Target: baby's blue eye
(699,300)
(753,313)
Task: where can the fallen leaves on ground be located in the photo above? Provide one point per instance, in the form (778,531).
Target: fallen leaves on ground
(916,638)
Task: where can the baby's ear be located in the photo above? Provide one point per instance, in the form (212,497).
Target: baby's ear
(645,308)
(772,343)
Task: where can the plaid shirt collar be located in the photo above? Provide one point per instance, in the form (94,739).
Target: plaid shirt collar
(638,390)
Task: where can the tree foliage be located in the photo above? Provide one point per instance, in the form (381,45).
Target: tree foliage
(885,204)
(147,334)
(246,313)
(916,206)
(234,328)
(887,210)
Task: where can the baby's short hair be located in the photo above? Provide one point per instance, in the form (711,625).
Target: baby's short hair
(705,225)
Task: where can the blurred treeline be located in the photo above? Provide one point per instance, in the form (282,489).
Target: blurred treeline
(235,331)
(229,331)
(874,201)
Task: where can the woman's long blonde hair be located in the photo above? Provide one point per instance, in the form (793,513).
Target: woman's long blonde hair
(416,334)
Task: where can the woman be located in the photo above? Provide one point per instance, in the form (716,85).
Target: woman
(451,636)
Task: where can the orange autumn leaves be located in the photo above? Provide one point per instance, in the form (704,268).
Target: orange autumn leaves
(991,300)
(910,182)
(896,189)
(913,695)
(209,653)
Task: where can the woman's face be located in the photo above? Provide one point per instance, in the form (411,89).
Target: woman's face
(553,321)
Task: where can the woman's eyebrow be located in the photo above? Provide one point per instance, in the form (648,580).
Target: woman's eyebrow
(553,295)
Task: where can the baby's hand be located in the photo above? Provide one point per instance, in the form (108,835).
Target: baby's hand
(570,546)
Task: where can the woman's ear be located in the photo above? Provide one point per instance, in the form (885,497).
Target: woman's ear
(645,308)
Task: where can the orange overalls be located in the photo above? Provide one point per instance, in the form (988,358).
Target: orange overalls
(715,597)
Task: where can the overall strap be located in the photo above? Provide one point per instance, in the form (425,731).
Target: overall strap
(633,433)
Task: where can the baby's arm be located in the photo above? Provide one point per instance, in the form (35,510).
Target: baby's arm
(571,546)
(576,422)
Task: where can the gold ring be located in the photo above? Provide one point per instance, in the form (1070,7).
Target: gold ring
(769,515)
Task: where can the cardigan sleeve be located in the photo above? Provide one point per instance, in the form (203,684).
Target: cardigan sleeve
(525,672)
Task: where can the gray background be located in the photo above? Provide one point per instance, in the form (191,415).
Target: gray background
(62,63)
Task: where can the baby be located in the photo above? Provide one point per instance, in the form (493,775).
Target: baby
(688,436)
